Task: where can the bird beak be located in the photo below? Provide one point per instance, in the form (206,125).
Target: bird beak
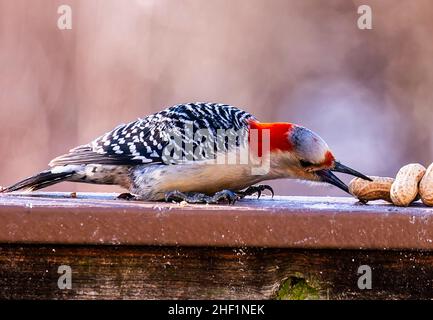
(329,177)
(343,169)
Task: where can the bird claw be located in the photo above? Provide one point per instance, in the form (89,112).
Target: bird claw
(226,195)
(175,196)
(256,189)
(126,196)
(195,197)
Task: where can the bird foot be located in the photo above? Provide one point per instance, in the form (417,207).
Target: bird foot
(255,189)
(196,197)
(126,196)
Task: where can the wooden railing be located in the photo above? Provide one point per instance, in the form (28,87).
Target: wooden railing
(92,246)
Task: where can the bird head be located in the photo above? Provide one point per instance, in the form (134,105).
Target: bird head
(315,161)
(300,153)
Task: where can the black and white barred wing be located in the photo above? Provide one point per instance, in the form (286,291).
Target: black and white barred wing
(138,142)
(203,131)
(181,133)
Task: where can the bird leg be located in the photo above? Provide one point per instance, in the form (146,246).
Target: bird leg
(196,197)
(255,189)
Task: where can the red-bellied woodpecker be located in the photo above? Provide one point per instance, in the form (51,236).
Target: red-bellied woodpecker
(197,152)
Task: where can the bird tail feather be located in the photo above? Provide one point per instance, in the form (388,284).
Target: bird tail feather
(38,181)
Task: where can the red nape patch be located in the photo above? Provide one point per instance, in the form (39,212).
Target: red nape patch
(329,159)
(278,133)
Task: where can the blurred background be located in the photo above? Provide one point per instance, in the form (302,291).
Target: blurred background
(368,93)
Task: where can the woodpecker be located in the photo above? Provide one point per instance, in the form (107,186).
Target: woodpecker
(162,156)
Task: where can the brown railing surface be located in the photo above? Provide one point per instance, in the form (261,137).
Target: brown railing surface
(286,247)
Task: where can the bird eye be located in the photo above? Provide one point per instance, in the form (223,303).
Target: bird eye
(305,163)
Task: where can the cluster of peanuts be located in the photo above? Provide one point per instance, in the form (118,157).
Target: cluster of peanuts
(413,182)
